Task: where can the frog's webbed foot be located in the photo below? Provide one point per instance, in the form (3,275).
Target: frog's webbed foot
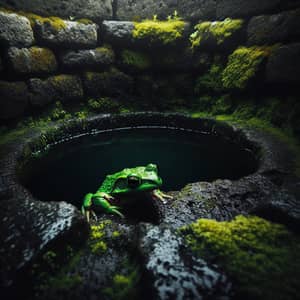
(161,196)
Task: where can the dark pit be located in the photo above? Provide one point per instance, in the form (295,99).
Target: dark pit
(69,170)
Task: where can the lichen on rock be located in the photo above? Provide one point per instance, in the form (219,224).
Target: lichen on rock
(242,65)
(32,60)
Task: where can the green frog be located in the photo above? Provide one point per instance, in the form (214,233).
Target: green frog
(129,181)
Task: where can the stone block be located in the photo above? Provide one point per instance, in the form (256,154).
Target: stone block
(15,30)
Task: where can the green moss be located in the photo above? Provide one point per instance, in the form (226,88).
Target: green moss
(103,104)
(52,276)
(210,81)
(85,21)
(125,285)
(135,59)
(55,22)
(165,32)
(263,258)
(97,241)
(218,30)
(43,59)
(242,65)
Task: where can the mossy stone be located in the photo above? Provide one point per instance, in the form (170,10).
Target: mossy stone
(34,60)
(262,257)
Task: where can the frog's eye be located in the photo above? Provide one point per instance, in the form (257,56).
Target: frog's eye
(151,168)
(121,184)
(133,181)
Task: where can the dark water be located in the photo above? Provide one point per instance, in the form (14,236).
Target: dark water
(70,170)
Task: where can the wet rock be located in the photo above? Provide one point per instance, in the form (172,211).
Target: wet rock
(220,200)
(118,32)
(66,34)
(27,228)
(62,88)
(15,30)
(109,83)
(271,29)
(95,58)
(244,8)
(284,64)
(91,9)
(281,208)
(175,272)
(13,99)
(32,60)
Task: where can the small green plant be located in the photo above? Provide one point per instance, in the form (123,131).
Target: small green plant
(103,104)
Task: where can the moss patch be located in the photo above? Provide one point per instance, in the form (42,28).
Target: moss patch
(212,80)
(164,32)
(219,31)
(242,65)
(263,258)
(135,59)
(125,285)
(97,241)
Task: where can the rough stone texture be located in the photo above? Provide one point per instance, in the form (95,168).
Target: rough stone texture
(117,32)
(197,10)
(185,60)
(32,60)
(95,58)
(176,273)
(270,29)
(109,83)
(62,88)
(91,9)
(65,87)
(73,35)
(15,30)
(145,9)
(13,99)
(244,8)
(40,92)
(138,10)
(284,64)
(27,227)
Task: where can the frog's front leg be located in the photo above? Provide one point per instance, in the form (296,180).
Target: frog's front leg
(161,195)
(99,199)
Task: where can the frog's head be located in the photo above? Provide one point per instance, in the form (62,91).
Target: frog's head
(139,179)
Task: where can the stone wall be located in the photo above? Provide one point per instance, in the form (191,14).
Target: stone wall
(48,59)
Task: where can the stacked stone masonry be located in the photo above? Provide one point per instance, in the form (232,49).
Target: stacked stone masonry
(48,59)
